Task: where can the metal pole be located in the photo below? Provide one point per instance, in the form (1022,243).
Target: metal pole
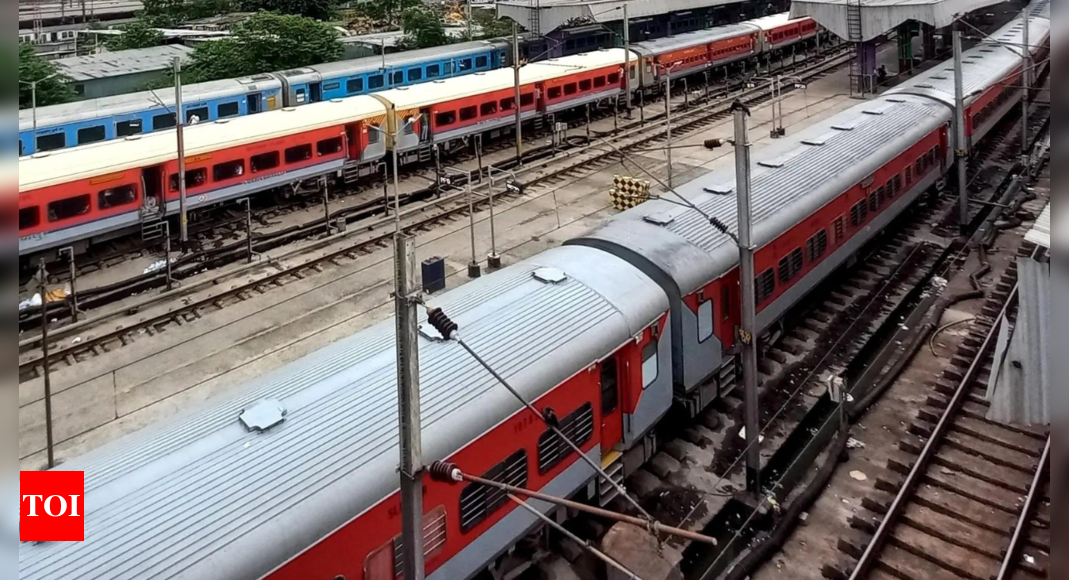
(960,144)
(180,122)
(326,207)
(74,282)
(493,261)
(474,271)
(519,99)
(627,59)
(668,126)
(748,332)
(411,466)
(33,96)
(588,122)
(167,255)
(467,13)
(1026,82)
(42,287)
(396,187)
(386,189)
(248,228)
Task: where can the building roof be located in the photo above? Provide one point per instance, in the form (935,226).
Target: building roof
(880,16)
(1040,233)
(68,165)
(554,14)
(121,63)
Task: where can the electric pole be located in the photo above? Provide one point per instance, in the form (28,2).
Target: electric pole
(519,100)
(627,59)
(960,145)
(411,466)
(748,331)
(183,216)
(1026,83)
(668,125)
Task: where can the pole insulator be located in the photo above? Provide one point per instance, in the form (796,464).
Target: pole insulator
(551,418)
(719,225)
(445,472)
(441,322)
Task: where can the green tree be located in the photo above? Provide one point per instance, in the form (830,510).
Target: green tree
(423,29)
(32,68)
(318,9)
(170,13)
(265,42)
(137,34)
(490,25)
(391,11)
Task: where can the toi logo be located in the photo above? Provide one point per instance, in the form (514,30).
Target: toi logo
(52,506)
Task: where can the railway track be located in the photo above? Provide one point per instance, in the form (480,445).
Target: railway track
(976,502)
(106,331)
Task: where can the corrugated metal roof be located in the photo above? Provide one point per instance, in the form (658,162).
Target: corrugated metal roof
(554,14)
(880,16)
(698,38)
(122,63)
(1040,233)
(202,498)
(1019,389)
(807,178)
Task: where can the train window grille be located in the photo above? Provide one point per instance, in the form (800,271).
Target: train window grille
(264,161)
(445,118)
(29,217)
(51,142)
(488,109)
(840,230)
(91,134)
(434,71)
(482,61)
(464,65)
(127,128)
(578,427)
(571,89)
(614,78)
(230,110)
(298,154)
(330,146)
(817,246)
(469,113)
(881,196)
(610,386)
(874,202)
(69,208)
(164,121)
(791,265)
(599,82)
(228,170)
(898,184)
(415,74)
(527,99)
(117,197)
(889,189)
(766,285)
(586,85)
(434,539)
(859,213)
(508,104)
(478,502)
(909,175)
(554,93)
(194,178)
(376,82)
(354,86)
(198,115)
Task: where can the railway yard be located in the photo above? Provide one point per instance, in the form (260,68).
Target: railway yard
(259,362)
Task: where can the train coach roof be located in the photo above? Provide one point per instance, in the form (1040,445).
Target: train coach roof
(136,102)
(791,181)
(67,165)
(203,498)
(697,38)
(983,65)
(443,91)
(406,58)
(775,21)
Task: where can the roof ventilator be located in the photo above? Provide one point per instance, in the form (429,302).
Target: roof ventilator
(549,275)
(660,218)
(263,416)
(880,109)
(719,190)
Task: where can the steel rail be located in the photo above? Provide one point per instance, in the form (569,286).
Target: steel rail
(1009,564)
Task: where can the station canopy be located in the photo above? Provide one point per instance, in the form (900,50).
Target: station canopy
(554,14)
(879,16)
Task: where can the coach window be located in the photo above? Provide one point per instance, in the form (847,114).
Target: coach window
(116,197)
(354,86)
(298,154)
(434,71)
(51,142)
(571,89)
(127,128)
(553,93)
(817,246)
(71,207)
(526,100)
(398,78)
(650,368)
(415,74)
(29,217)
(614,78)
(164,121)
(488,109)
(599,82)
(479,502)
(264,161)
(874,202)
(898,184)
(577,427)
(464,64)
(198,115)
(194,178)
(374,134)
(705,321)
(446,118)
(228,110)
(610,386)
(91,135)
(228,170)
(508,104)
(482,62)
(469,113)
(329,146)
(375,82)
(766,285)
(586,85)
(725,301)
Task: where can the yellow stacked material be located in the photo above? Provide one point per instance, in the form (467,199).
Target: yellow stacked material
(628,192)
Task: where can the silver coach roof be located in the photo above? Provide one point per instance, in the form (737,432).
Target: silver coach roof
(406,58)
(984,65)
(791,181)
(689,39)
(201,498)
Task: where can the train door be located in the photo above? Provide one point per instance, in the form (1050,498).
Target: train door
(154,199)
(316,92)
(255,103)
(612,424)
